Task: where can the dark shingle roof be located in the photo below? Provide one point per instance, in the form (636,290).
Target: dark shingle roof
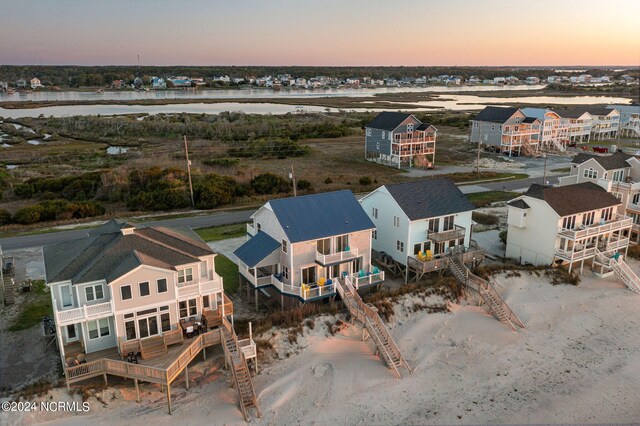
(388,120)
(529,119)
(257,248)
(108,254)
(520,203)
(320,215)
(573,199)
(424,126)
(617,160)
(570,112)
(429,198)
(599,111)
(495,114)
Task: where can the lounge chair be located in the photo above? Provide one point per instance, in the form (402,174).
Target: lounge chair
(376,270)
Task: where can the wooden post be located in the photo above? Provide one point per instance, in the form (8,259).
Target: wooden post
(105,379)
(281,302)
(186,153)
(204,354)
(137,390)
(186,377)
(169,396)
(255,294)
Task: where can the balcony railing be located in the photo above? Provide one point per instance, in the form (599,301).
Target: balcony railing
(518,132)
(633,207)
(367,279)
(85,313)
(308,292)
(412,151)
(201,288)
(339,257)
(621,222)
(453,234)
(250,229)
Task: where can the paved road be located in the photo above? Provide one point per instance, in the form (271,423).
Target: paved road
(223,218)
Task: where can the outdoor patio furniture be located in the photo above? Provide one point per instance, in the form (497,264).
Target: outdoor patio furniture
(132,357)
(81,359)
(70,361)
(376,270)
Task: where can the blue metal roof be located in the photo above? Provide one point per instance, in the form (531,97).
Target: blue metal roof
(322,215)
(257,248)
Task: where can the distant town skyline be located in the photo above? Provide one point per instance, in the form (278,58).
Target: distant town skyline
(329,33)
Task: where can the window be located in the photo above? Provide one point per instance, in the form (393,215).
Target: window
(493,127)
(148,326)
(130,330)
(162,285)
(98,328)
(374,234)
(378,146)
(93,292)
(203,270)
(342,243)
(144,289)
(410,127)
(65,293)
(607,214)
(374,212)
(285,271)
(185,275)
(187,308)
(400,246)
(309,275)
(618,176)
(618,195)
(587,218)
(569,222)
(324,246)
(636,198)
(147,312)
(284,246)
(368,131)
(384,134)
(417,248)
(71,332)
(258,227)
(396,221)
(165,322)
(205,302)
(448,223)
(125,292)
(590,173)
(434,224)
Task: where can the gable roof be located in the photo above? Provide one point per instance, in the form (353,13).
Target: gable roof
(538,113)
(256,248)
(572,199)
(427,198)
(600,110)
(495,114)
(530,120)
(617,160)
(108,254)
(388,120)
(571,112)
(310,217)
(519,203)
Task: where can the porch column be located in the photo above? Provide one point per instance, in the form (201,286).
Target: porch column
(256,297)
(137,390)
(186,377)
(169,396)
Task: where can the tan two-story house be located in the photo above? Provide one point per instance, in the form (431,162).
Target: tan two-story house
(299,247)
(122,283)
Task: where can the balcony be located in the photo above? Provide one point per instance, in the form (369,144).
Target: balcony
(366,279)
(619,223)
(334,258)
(306,292)
(85,313)
(634,208)
(405,151)
(205,286)
(453,234)
(521,132)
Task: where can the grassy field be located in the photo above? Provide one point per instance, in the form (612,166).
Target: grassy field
(482,199)
(216,233)
(229,273)
(31,312)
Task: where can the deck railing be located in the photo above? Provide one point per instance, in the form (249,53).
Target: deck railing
(84,313)
(453,234)
(619,223)
(341,256)
(369,279)
(201,287)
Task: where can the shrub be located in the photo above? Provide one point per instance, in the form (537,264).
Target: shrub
(303,184)
(28,215)
(213,190)
(365,180)
(503,236)
(328,180)
(268,183)
(485,218)
(222,162)
(5,217)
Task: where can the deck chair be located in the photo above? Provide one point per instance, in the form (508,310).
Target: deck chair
(322,281)
(376,270)
(428,255)
(361,274)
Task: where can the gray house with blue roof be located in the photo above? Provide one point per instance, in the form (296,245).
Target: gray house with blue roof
(299,247)
(397,138)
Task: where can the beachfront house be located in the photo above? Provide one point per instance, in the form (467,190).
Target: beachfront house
(396,139)
(508,130)
(554,132)
(35,83)
(629,119)
(299,247)
(123,287)
(419,221)
(618,173)
(569,225)
(605,123)
(158,83)
(578,121)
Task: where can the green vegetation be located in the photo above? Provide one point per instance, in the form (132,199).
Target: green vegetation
(562,170)
(483,199)
(72,188)
(31,312)
(558,275)
(57,210)
(503,236)
(485,218)
(463,177)
(229,273)
(216,233)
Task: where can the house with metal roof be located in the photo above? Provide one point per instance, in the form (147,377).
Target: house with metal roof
(566,225)
(299,247)
(618,173)
(507,130)
(419,222)
(629,119)
(122,286)
(397,139)
(554,133)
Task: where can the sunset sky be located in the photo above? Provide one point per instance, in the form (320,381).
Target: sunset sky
(327,32)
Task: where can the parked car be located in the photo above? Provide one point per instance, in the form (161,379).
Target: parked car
(600,149)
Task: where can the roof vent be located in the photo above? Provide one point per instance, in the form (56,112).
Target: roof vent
(128,231)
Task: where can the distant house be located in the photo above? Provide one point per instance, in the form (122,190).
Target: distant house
(397,139)
(570,224)
(553,79)
(474,80)
(299,247)
(158,83)
(532,80)
(420,217)
(4,86)
(554,132)
(117,84)
(499,80)
(578,121)
(180,81)
(605,124)
(199,81)
(506,129)
(35,83)
(629,119)
(138,82)
(238,80)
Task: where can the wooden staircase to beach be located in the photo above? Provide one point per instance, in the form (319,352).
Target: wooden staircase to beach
(620,268)
(152,347)
(497,306)
(385,345)
(239,369)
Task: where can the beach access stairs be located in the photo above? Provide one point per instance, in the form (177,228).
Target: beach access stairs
(374,328)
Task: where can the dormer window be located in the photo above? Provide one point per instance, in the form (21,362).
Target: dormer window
(409,127)
(185,275)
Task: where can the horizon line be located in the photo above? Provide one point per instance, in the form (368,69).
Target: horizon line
(327,66)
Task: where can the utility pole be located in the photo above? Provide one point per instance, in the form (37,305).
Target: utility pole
(478,161)
(186,153)
(544,176)
(292,176)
